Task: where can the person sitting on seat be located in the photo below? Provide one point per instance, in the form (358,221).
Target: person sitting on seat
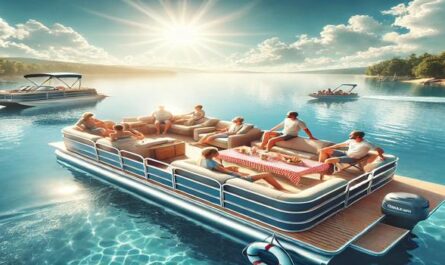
(195,117)
(329,92)
(88,123)
(209,161)
(237,124)
(357,146)
(135,133)
(162,116)
(291,126)
(119,133)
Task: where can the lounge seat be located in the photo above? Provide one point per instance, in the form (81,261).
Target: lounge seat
(302,147)
(302,196)
(245,136)
(71,132)
(133,145)
(189,168)
(188,130)
(145,124)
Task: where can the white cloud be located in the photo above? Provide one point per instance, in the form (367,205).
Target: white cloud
(334,41)
(55,42)
(359,42)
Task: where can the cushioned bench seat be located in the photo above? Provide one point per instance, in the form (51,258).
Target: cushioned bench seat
(192,170)
(303,147)
(71,131)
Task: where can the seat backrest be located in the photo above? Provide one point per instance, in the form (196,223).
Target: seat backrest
(192,170)
(223,124)
(71,131)
(304,144)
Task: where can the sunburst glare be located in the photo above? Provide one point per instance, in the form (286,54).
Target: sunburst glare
(179,32)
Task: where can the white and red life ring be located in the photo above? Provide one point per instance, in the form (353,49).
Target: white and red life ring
(254,249)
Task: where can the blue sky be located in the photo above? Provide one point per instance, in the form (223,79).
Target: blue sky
(265,34)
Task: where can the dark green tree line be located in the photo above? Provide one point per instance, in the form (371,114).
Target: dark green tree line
(425,65)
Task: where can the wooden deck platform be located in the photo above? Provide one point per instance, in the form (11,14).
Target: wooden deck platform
(344,227)
(380,239)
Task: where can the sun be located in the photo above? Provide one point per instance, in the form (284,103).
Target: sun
(181,35)
(176,32)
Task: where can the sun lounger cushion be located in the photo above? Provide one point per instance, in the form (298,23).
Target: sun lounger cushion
(182,129)
(304,144)
(246,127)
(192,170)
(209,123)
(71,131)
(302,196)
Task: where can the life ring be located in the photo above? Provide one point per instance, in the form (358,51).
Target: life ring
(254,249)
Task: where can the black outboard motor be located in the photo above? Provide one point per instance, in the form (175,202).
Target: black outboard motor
(404,210)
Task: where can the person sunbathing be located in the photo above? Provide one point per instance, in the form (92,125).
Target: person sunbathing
(195,117)
(291,126)
(237,124)
(357,146)
(162,116)
(209,161)
(135,133)
(88,123)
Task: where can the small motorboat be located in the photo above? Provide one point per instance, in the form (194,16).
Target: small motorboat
(336,93)
(46,94)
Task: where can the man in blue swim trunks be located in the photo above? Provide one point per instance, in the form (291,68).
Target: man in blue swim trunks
(357,146)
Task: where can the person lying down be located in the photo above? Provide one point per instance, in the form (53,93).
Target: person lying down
(208,160)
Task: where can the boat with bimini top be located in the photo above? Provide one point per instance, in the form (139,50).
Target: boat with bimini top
(363,206)
(55,89)
(337,93)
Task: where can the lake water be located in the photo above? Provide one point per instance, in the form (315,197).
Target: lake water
(51,215)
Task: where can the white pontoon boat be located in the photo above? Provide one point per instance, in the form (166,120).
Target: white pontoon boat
(46,94)
(369,211)
(337,93)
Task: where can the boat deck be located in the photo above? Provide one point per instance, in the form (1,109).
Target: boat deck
(347,225)
(358,225)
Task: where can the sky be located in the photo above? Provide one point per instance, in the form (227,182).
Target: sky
(265,35)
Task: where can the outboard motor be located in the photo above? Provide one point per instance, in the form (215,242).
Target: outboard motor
(404,210)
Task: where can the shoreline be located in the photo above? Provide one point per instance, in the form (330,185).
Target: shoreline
(415,81)
(426,81)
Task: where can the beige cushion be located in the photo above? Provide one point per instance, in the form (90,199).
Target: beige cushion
(299,153)
(304,144)
(210,122)
(245,129)
(184,129)
(79,134)
(146,119)
(192,166)
(302,196)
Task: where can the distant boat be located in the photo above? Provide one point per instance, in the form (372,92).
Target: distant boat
(43,94)
(335,94)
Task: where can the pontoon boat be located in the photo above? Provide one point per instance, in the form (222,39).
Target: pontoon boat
(367,210)
(46,94)
(337,93)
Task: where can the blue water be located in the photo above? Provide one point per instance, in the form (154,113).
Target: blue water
(52,215)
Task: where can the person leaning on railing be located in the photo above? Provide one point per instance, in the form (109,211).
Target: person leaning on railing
(357,149)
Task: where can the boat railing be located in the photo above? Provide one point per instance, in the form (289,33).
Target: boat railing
(208,189)
(45,95)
